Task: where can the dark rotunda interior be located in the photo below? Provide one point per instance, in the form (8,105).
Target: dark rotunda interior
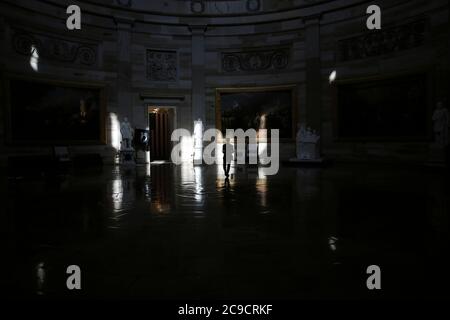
(224,150)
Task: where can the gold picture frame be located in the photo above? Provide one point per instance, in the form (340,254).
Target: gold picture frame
(291,87)
(101,87)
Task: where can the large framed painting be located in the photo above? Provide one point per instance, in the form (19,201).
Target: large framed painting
(394,108)
(44,112)
(257,108)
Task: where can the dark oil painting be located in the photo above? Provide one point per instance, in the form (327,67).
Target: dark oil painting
(389,108)
(47,113)
(258,110)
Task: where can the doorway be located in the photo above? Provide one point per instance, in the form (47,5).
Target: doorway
(161,125)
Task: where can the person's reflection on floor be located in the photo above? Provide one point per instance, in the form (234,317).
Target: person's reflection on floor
(227,184)
(227,150)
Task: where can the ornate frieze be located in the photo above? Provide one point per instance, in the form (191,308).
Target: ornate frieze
(124,3)
(162,65)
(249,61)
(384,41)
(197,6)
(53,48)
(253,5)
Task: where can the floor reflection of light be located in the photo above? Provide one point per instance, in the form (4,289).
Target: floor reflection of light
(159,162)
(40,278)
(198,184)
(261,186)
(34,58)
(187,173)
(117,194)
(147,183)
(159,207)
(123,198)
(221,174)
(262,175)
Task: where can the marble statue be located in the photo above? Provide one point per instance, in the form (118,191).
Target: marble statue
(307,144)
(127,134)
(440,126)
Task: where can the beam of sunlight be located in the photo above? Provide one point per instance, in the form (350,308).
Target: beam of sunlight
(187,148)
(198,141)
(34,59)
(115,131)
(333,76)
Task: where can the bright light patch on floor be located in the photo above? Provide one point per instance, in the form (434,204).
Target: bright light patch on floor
(198,184)
(117,194)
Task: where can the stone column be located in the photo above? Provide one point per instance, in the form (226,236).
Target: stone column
(313,73)
(198,72)
(124,42)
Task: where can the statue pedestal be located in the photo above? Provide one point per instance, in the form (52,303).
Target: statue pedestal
(141,157)
(308,150)
(127,157)
(307,153)
(306,161)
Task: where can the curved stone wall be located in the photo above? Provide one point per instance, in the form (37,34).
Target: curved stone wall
(199,50)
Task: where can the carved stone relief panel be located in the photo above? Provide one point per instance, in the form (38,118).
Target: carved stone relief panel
(384,41)
(54,48)
(248,61)
(162,65)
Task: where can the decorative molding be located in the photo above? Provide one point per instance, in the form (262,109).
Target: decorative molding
(384,41)
(125,3)
(160,98)
(124,22)
(53,48)
(199,29)
(250,61)
(253,5)
(197,6)
(162,65)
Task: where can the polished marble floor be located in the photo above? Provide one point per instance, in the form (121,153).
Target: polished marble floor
(165,231)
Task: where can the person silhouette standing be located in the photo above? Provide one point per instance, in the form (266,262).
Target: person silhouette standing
(227,150)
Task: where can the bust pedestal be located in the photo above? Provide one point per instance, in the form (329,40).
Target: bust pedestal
(127,156)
